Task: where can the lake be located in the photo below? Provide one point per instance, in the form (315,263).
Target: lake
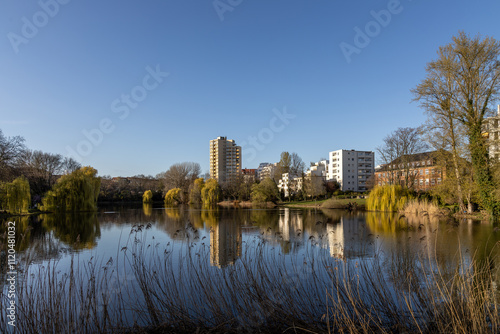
(189,268)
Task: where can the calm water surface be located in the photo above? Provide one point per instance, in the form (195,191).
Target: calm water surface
(222,238)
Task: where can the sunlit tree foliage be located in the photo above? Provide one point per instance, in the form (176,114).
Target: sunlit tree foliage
(266,191)
(77,191)
(388,198)
(211,194)
(195,191)
(15,196)
(147,197)
(173,196)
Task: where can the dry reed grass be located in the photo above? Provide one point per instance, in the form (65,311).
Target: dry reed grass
(150,288)
(421,207)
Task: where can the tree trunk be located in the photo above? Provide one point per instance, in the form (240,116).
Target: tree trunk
(469,203)
(455,166)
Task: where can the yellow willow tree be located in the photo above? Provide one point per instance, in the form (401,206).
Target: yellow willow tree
(211,194)
(77,191)
(195,191)
(388,198)
(15,196)
(147,197)
(173,196)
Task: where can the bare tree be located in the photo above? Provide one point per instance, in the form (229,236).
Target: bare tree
(180,175)
(442,130)
(291,164)
(11,148)
(69,165)
(283,165)
(466,76)
(297,166)
(396,153)
(40,168)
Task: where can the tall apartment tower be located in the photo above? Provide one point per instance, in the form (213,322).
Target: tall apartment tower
(351,169)
(225,159)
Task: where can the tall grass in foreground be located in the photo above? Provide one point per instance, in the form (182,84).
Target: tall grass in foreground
(151,288)
(389,198)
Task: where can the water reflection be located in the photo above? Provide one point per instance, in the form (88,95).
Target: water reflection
(348,236)
(79,230)
(340,234)
(225,242)
(147,208)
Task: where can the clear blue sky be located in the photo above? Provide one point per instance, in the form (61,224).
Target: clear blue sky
(74,71)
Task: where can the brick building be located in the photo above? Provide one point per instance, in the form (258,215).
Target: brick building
(419,172)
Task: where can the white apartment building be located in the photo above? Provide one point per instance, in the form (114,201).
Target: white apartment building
(318,169)
(491,131)
(289,184)
(266,171)
(225,159)
(351,169)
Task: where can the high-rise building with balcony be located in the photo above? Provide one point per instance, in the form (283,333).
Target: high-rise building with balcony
(225,159)
(351,169)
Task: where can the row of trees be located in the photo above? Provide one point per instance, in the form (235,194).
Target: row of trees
(40,169)
(182,183)
(458,94)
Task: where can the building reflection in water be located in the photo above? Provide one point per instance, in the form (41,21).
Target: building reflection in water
(348,237)
(225,242)
(290,225)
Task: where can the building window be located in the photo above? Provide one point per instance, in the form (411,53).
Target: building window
(426,172)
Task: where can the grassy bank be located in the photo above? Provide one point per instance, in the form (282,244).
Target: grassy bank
(332,203)
(346,203)
(149,288)
(303,204)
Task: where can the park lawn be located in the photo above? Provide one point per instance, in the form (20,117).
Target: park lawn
(303,204)
(334,203)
